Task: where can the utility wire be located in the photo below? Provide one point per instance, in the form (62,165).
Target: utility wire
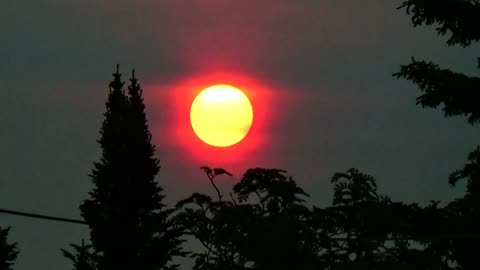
(25,214)
(341,239)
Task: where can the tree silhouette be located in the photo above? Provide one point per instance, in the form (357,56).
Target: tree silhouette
(130,227)
(457,17)
(216,225)
(83,259)
(470,172)
(276,235)
(459,94)
(8,252)
(364,224)
(465,213)
(265,225)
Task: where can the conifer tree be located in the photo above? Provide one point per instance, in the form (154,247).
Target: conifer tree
(459,94)
(456,92)
(83,259)
(129,225)
(8,252)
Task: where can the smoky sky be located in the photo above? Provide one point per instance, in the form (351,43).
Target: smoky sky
(327,64)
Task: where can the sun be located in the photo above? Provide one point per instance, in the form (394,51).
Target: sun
(221,115)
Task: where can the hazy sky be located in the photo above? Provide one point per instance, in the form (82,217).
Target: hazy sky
(320,72)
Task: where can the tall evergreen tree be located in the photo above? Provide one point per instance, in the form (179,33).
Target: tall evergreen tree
(129,225)
(8,252)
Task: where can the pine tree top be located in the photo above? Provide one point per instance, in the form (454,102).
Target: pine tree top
(116,84)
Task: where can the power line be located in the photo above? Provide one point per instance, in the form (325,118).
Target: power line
(25,214)
(341,239)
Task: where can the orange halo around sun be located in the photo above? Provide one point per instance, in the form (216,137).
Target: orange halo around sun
(221,115)
(178,130)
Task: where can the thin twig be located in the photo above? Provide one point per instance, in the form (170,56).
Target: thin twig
(210,177)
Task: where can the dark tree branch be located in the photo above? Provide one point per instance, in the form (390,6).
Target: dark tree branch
(211,174)
(459,93)
(458,17)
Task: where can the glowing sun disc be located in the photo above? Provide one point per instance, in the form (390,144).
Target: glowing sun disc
(221,115)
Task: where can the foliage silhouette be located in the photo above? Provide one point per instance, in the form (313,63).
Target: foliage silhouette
(130,227)
(8,252)
(459,17)
(466,213)
(373,230)
(459,95)
(457,92)
(266,225)
(470,172)
(84,257)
